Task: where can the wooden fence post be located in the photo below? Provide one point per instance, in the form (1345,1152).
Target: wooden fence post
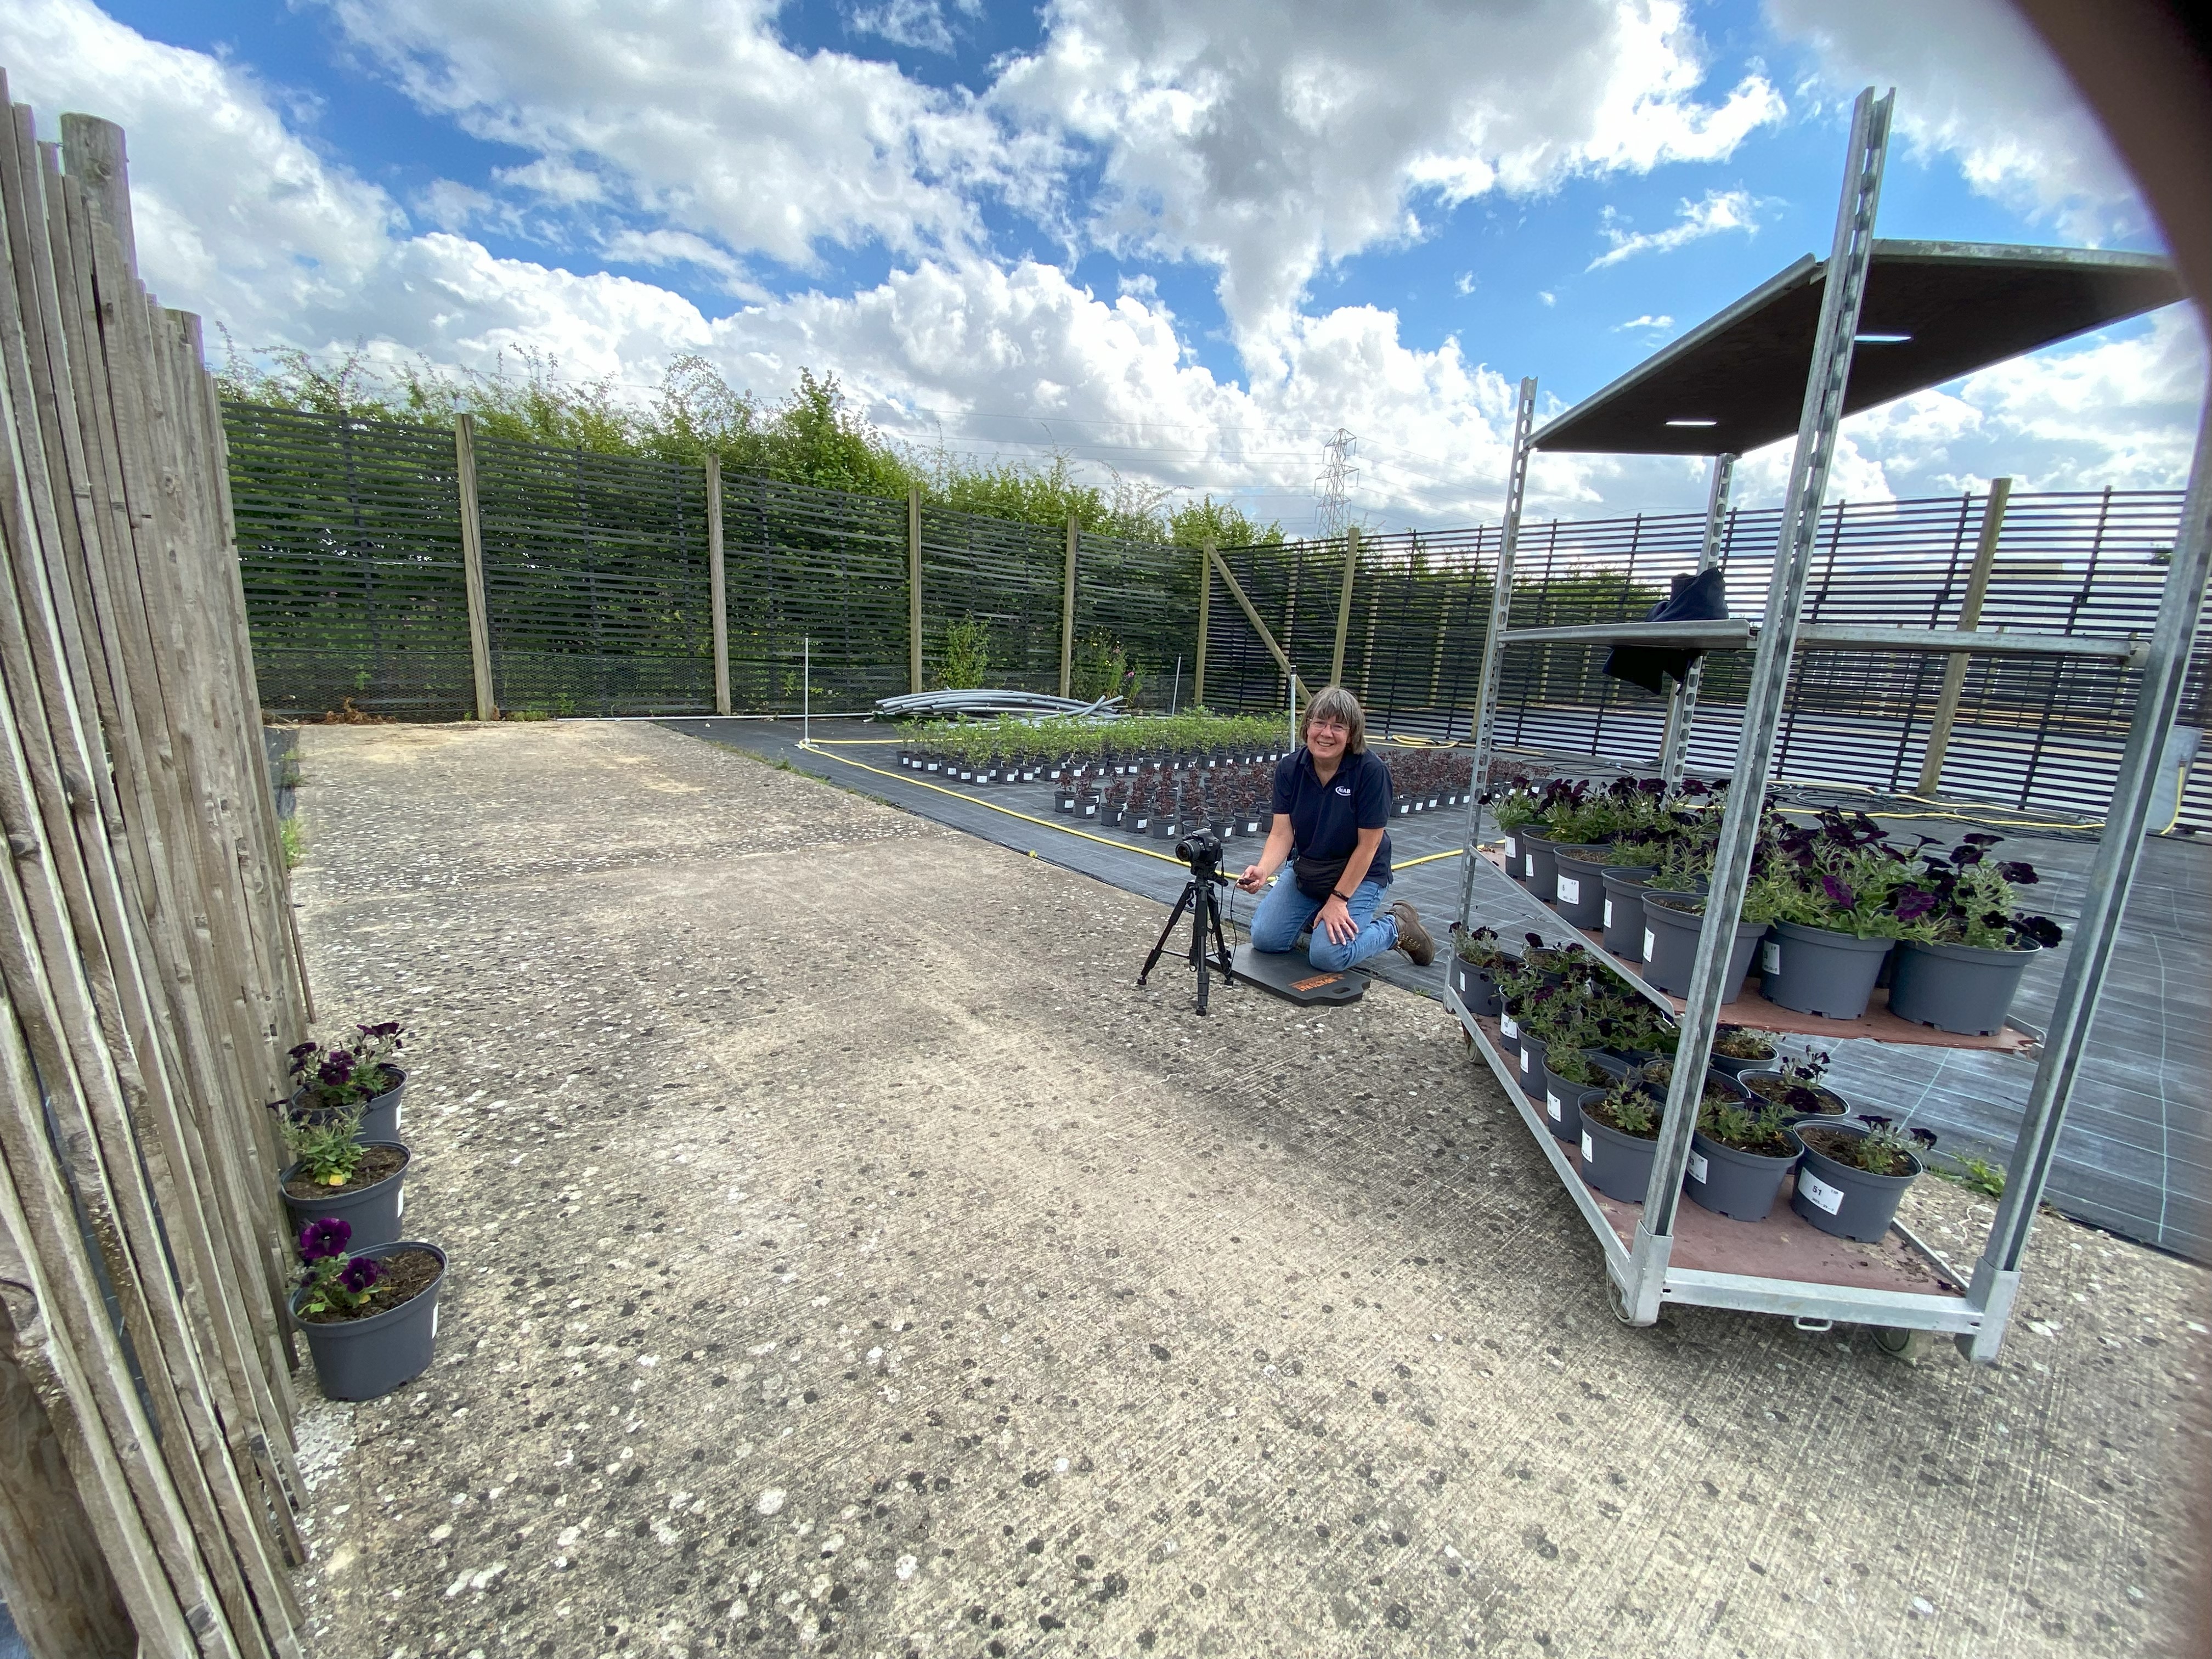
(1970,613)
(1067,608)
(464,463)
(1343,603)
(716,583)
(913,587)
(1205,608)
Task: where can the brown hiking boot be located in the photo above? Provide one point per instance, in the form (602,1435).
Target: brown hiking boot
(1413,938)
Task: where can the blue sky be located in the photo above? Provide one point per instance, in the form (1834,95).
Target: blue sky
(1184,242)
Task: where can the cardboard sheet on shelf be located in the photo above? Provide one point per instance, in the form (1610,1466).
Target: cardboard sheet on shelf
(1877,1024)
(1784,1246)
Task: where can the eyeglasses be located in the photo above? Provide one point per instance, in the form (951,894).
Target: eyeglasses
(1327,725)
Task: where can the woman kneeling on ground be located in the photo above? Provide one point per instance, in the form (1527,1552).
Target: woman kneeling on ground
(1332,804)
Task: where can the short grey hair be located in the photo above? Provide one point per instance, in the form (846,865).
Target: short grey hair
(1334,702)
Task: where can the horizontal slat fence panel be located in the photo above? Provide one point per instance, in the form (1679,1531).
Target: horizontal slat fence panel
(1142,596)
(349,546)
(596,581)
(819,565)
(1006,576)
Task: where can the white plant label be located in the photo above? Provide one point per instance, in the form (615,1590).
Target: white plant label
(1509,1025)
(1589,1151)
(400,1208)
(395,1122)
(1513,847)
(1698,1168)
(1608,913)
(1525,1061)
(1770,956)
(1551,1105)
(433,1323)
(1818,1192)
(1532,866)
(1570,890)
(1651,944)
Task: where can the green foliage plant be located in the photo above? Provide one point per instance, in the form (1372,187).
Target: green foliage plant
(323,1144)
(1763,1128)
(965,663)
(1628,1108)
(1885,1149)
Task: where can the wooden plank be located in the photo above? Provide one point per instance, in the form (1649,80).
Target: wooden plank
(717,585)
(1970,616)
(1206,554)
(1067,606)
(1343,603)
(913,587)
(472,562)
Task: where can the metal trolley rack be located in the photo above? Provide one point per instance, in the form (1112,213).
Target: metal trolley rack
(1937,311)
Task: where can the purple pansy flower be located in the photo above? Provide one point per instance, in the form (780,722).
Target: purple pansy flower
(328,1236)
(360,1273)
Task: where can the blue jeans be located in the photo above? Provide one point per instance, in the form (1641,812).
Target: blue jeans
(1285,912)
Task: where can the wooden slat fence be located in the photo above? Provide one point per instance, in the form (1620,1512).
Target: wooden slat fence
(150,965)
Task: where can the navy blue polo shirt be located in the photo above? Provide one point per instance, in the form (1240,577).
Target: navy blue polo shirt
(1326,817)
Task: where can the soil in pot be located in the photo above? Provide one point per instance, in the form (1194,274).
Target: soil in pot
(380,1113)
(1739,1159)
(408,1271)
(364,1355)
(1800,1099)
(1736,1051)
(1670,948)
(1962,989)
(1579,887)
(1816,971)
(1836,1197)
(371,1203)
(1621,912)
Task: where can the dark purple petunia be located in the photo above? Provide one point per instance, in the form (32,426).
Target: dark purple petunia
(328,1236)
(360,1273)
(1838,892)
(2019,874)
(1924,1139)
(1536,940)
(1984,840)
(1913,902)
(1964,855)
(2039,930)
(1872,1122)
(1652,786)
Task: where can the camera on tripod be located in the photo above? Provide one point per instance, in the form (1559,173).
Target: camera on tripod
(1209,948)
(1201,850)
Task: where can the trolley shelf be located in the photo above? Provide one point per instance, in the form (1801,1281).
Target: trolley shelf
(1752,1010)
(1782,1265)
(1736,634)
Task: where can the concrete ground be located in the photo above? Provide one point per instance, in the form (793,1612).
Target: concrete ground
(847,1258)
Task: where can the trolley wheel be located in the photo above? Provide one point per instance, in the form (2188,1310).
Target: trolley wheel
(1899,1343)
(1617,1299)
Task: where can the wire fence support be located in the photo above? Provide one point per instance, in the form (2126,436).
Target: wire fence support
(1970,616)
(472,565)
(718,594)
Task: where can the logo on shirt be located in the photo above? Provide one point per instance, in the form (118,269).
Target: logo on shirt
(1344,789)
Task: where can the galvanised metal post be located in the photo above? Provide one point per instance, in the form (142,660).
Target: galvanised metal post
(1996,1275)
(1844,288)
(1493,644)
(1682,706)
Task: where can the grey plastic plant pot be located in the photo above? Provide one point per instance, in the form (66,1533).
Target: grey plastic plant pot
(1740,1185)
(1617,1165)
(1621,912)
(364,1359)
(1816,971)
(1540,865)
(1578,886)
(1509,1033)
(1961,988)
(1529,1067)
(373,1211)
(1670,949)
(1562,1105)
(1846,1202)
(1476,990)
(1515,851)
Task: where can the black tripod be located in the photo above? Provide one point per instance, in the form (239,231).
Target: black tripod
(1203,854)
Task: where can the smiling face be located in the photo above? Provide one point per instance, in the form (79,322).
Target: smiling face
(1327,737)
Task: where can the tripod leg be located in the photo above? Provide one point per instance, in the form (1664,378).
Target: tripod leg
(1161,943)
(1220,939)
(1201,901)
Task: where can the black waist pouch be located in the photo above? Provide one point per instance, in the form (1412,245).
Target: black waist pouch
(1317,878)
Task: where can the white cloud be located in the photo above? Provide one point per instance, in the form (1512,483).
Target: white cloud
(1266,138)
(1647,320)
(1547,296)
(920,24)
(681,247)
(1974,82)
(1717,210)
(1463,284)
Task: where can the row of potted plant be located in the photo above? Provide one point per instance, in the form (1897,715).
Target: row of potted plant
(1834,909)
(1595,1060)
(366,1298)
(1011,744)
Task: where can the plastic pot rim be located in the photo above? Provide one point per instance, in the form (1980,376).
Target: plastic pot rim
(352,1194)
(349,1328)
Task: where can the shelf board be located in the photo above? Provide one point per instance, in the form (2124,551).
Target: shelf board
(1753,1011)
(1736,634)
(1781,1265)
